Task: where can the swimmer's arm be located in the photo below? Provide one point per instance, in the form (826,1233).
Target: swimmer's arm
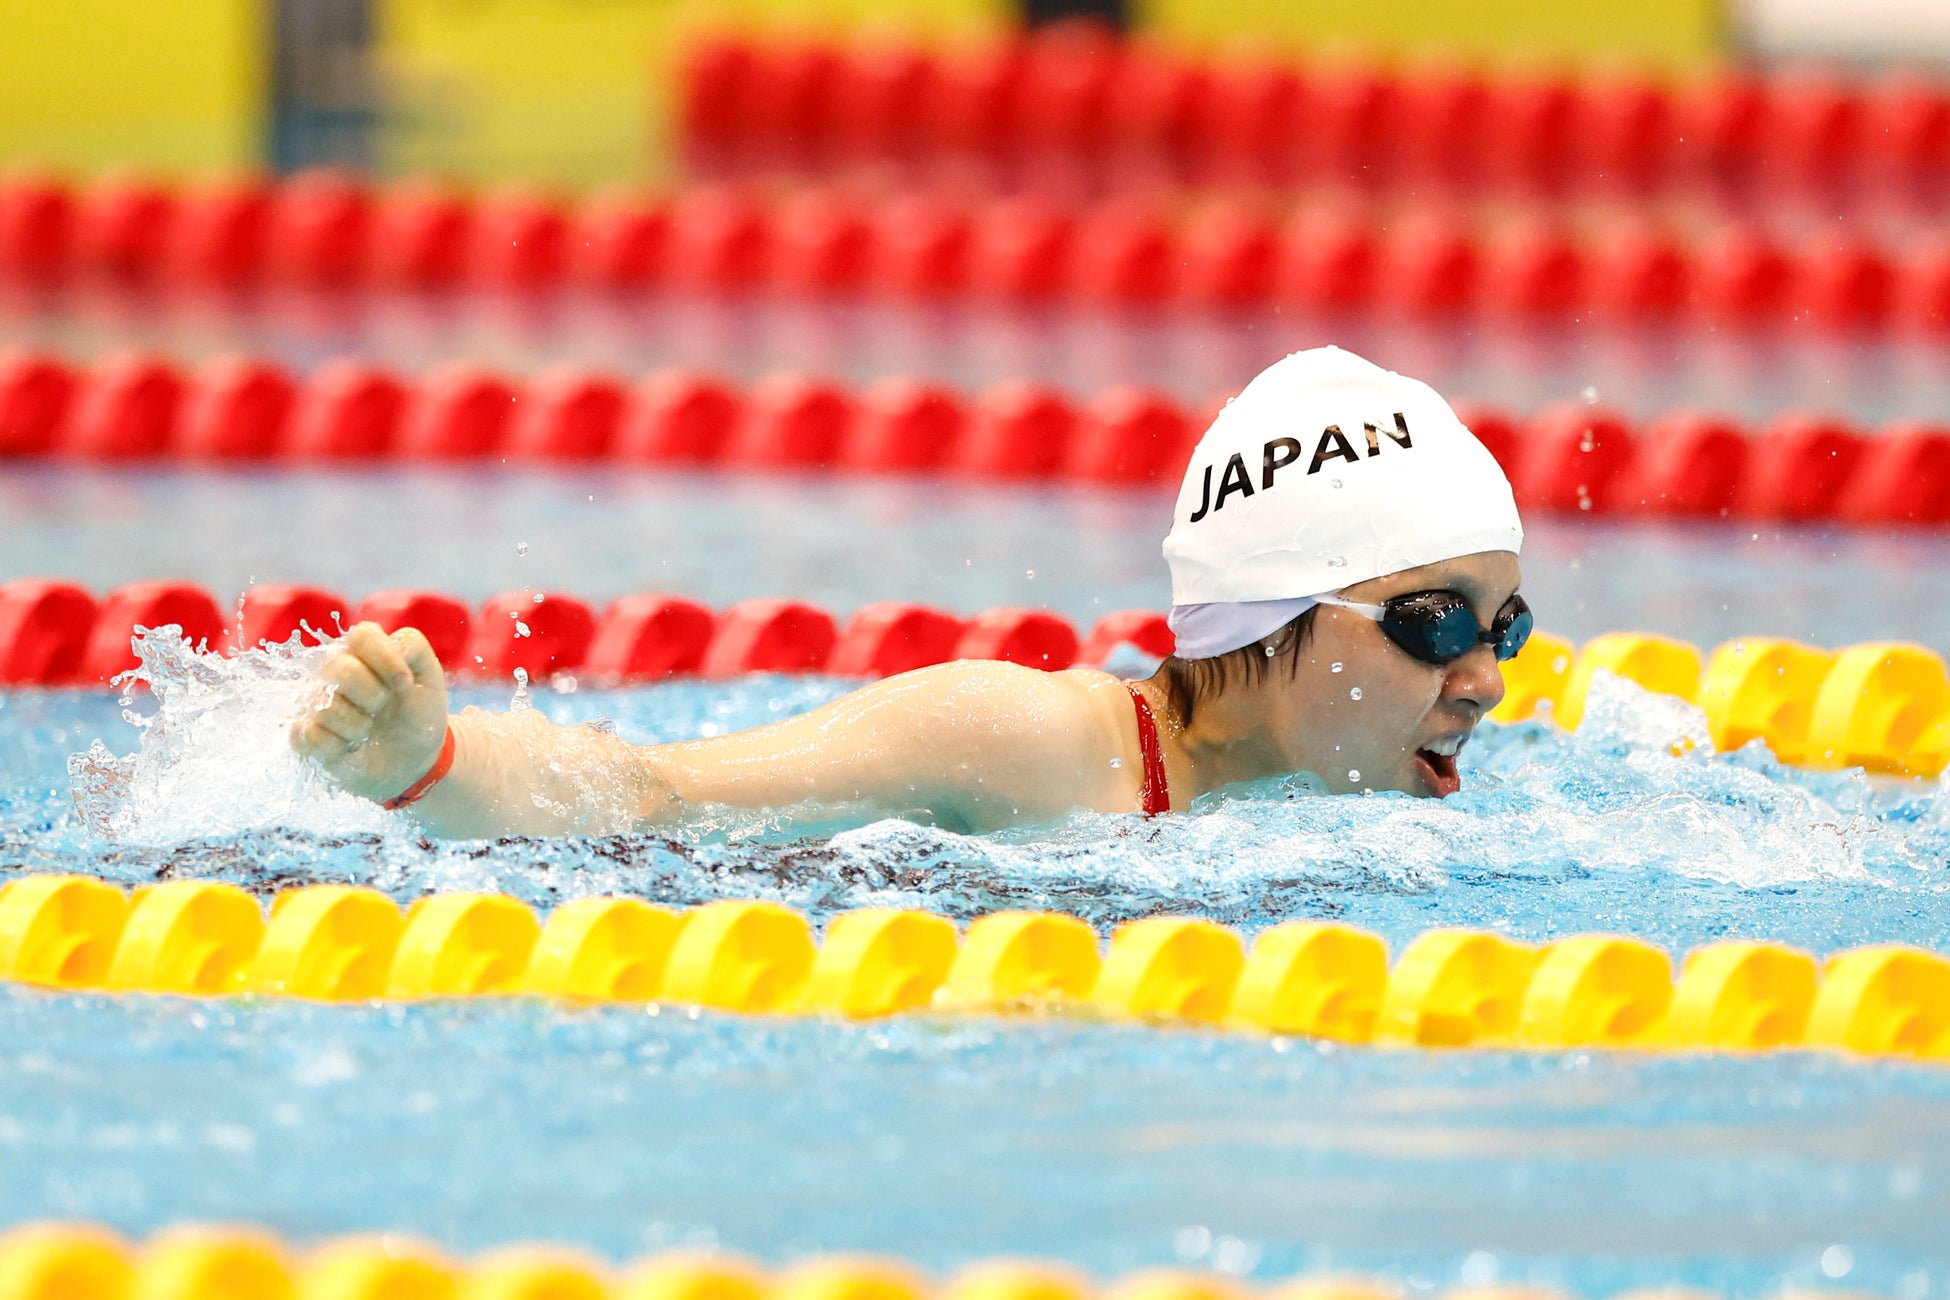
(972,745)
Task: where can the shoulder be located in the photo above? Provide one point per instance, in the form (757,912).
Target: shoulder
(986,702)
(1013,688)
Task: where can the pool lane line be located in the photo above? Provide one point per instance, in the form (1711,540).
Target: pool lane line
(67,1260)
(1054,110)
(1571,458)
(1883,706)
(332,240)
(1447,987)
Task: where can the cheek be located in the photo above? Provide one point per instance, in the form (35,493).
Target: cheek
(1394,695)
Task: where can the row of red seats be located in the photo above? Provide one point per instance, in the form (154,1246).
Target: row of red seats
(1074,93)
(1573,457)
(331,233)
(54,633)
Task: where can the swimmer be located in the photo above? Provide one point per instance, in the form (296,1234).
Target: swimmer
(1344,574)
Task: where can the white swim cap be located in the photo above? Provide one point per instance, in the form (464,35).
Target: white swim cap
(1326,471)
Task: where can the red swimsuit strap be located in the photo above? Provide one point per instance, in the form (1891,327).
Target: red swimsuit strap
(1157,793)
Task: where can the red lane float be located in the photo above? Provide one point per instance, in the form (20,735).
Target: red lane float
(541,633)
(621,242)
(1903,477)
(274,612)
(770,636)
(222,235)
(424,232)
(904,426)
(649,636)
(125,230)
(521,242)
(35,391)
(44,628)
(1130,435)
(567,415)
(445,621)
(1690,463)
(1032,637)
(150,604)
(37,230)
(1797,469)
(237,409)
(890,637)
(321,230)
(680,418)
(1017,430)
(791,422)
(348,411)
(126,409)
(459,412)
(1573,458)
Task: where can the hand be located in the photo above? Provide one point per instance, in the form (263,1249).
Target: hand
(387,718)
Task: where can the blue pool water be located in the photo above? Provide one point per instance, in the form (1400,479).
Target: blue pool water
(632,1129)
(1195,355)
(944,1140)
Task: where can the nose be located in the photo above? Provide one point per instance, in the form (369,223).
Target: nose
(1477,677)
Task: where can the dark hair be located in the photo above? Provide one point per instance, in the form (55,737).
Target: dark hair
(1187,681)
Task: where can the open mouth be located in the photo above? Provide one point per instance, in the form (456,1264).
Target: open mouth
(1437,765)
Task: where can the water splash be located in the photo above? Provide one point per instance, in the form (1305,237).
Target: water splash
(215,756)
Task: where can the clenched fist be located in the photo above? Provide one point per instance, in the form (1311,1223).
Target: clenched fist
(387,717)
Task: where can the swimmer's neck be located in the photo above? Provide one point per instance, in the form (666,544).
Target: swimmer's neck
(1227,743)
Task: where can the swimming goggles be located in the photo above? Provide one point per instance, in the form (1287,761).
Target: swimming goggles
(1439,627)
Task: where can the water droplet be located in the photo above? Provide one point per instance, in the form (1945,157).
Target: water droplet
(1338,562)
(521,628)
(1590,395)
(1334,667)
(1031,572)
(1333,482)
(1354,693)
(1587,443)
(521,548)
(1270,651)
(1354,774)
(1117,762)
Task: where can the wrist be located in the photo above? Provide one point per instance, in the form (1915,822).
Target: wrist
(443,763)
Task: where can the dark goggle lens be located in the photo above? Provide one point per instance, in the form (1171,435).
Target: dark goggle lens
(1515,633)
(1441,628)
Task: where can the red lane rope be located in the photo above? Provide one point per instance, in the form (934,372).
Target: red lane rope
(1113,114)
(335,236)
(57,633)
(1574,458)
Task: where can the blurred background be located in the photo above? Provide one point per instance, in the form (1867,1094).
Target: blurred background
(581,92)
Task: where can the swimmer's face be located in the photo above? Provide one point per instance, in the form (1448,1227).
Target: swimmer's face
(1363,714)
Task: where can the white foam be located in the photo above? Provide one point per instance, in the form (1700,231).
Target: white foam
(214,758)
